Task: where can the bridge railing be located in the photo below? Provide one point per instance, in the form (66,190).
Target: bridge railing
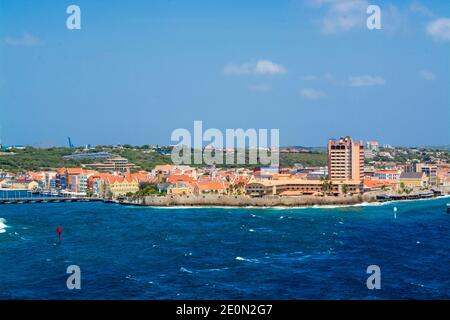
(29,195)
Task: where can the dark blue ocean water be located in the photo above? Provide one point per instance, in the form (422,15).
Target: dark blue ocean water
(223,253)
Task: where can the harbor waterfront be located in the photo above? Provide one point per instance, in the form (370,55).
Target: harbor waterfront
(23,196)
(132,252)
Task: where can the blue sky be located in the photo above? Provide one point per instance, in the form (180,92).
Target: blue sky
(137,70)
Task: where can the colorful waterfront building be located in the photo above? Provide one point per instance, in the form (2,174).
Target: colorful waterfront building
(46,179)
(216,187)
(414,179)
(180,188)
(372,184)
(79,183)
(116,186)
(66,176)
(387,174)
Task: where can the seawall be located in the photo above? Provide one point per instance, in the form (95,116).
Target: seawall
(245,201)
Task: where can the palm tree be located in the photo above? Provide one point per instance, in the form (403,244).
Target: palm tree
(326,185)
(344,189)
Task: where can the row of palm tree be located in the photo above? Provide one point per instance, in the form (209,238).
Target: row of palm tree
(327,186)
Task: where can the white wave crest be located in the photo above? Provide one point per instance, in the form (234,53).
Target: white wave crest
(247,260)
(3,225)
(185,270)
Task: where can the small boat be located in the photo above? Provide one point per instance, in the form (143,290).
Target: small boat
(448,207)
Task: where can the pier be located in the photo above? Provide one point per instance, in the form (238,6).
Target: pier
(42,198)
(414,196)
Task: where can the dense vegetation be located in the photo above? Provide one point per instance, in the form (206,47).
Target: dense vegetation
(145,189)
(37,158)
(147,158)
(404,155)
(51,158)
(286,160)
(305,159)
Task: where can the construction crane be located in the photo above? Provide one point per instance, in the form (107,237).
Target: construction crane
(70,143)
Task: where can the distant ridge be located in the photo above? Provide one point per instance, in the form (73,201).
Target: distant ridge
(444,147)
(312,149)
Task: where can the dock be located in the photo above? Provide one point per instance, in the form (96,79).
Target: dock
(414,196)
(20,200)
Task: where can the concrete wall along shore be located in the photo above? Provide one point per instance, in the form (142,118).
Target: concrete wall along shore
(245,201)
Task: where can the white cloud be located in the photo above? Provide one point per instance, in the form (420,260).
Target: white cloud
(342,15)
(260,87)
(268,67)
(439,29)
(427,75)
(261,67)
(365,81)
(25,40)
(312,94)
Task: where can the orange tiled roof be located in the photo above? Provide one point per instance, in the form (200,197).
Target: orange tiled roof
(387,171)
(111,178)
(243,179)
(140,176)
(164,167)
(180,177)
(373,183)
(212,185)
(74,171)
(204,178)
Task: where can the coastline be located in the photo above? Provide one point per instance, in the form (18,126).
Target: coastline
(248,202)
(315,206)
(242,201)
(271,202)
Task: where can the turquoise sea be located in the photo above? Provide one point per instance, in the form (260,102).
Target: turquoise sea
(225,253)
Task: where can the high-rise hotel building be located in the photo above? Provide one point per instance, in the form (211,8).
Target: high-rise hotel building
(345,160)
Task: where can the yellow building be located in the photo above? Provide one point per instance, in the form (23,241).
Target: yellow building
(33,185)
(414,179)
(180,188)
(119,186)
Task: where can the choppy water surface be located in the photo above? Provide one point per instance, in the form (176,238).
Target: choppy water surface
(225,253)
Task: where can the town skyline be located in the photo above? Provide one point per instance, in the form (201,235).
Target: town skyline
(322,145)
